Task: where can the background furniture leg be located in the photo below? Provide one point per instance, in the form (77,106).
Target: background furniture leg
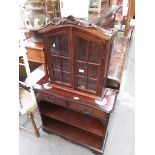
(36,131)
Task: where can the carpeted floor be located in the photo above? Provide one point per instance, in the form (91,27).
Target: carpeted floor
(121,126)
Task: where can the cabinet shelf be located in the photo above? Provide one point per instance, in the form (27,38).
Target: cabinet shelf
(86,77)
(73,118)
(60,56)
(85,62)
(61,71)
(74,134)
(86,90)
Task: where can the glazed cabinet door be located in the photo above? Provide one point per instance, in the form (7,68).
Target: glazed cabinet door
(59,53)
(89,57)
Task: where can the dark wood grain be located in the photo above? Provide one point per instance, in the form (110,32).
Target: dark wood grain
(79,111)
(74,134)
(69,95)
(73,118)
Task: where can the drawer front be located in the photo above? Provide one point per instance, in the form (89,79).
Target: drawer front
(35,55)
(51,98)
(57,100)
(88,110)
(74,106)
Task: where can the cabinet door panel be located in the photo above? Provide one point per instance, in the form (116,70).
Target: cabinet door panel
(54,45)
(56,63)
(94,52)
(92,85)
(60,60)
(93,71)
(81,69)
(63,43)
(88,53)
(81,83)
(66,78)
(66,66)
(57,76)
(81,49)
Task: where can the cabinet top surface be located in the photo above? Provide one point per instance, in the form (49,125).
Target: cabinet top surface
(105,104)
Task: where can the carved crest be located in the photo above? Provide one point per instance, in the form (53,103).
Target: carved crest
(70,20)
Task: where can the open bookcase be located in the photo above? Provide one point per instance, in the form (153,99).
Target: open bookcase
(77,127)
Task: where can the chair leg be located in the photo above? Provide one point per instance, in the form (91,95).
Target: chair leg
(36,131)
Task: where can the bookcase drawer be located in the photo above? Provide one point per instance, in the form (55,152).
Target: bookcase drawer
(74,106)
(51,98)
(88,110)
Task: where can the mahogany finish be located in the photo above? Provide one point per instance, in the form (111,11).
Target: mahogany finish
(78,120)
(72,97)
(77,54)
(76,135)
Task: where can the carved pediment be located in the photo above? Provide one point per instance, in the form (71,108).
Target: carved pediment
(75,22)
(71,20)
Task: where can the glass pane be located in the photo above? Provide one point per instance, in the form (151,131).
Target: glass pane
(81,82)
(66,65)
(92,85)
(56,62)
(81,69)
(94,52)
(54,45)
(66,78)
(63,42)
(81,49)
(93,71)
(57,76)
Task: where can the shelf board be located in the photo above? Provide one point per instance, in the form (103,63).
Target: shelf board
(60,56)
(74,134)
(61,71)
(63,83)
(85,62)
(73,118)
(87,77)
(86,90)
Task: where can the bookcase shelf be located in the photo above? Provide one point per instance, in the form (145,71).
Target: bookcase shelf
(74,134)
(73,118)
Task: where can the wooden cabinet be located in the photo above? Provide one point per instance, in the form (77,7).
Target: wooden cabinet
(77,58)
(72,97)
